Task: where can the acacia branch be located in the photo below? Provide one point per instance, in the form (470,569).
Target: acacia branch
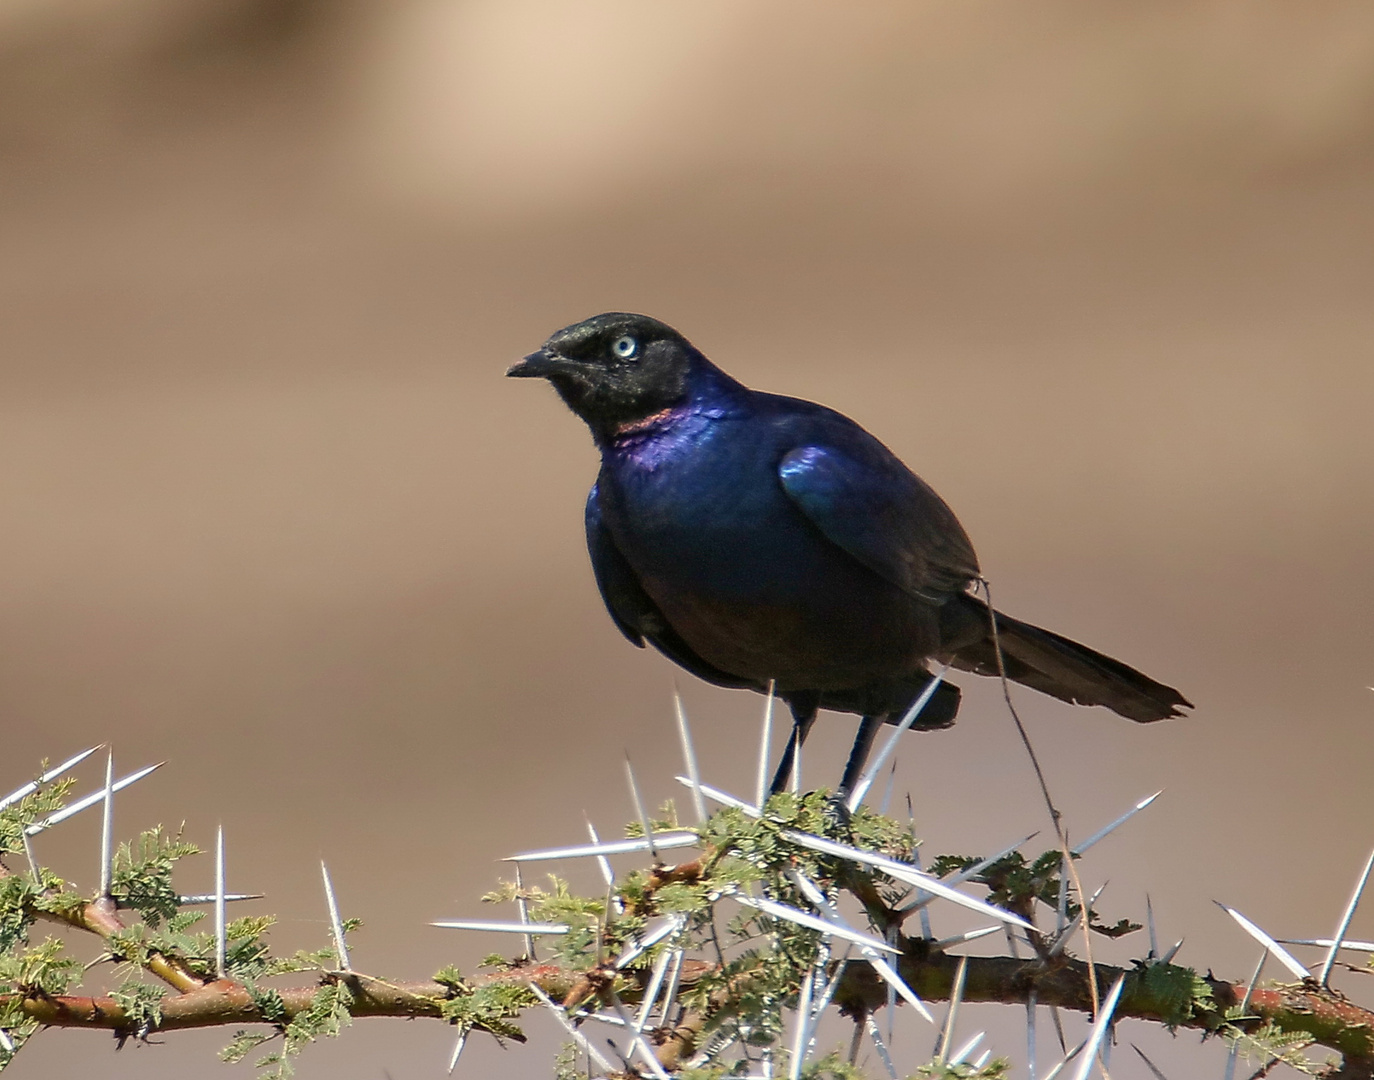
(1159,993)
(1322,1015)
(101,917)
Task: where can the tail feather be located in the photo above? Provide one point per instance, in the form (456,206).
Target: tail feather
(1054,665)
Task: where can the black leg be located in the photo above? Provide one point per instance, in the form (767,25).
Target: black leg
(803,716)
(863,742)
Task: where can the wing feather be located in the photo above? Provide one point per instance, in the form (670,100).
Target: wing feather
(882,514)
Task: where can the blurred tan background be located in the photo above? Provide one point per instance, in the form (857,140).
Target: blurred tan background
(1100,273)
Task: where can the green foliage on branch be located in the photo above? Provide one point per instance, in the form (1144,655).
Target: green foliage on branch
(142,874)
(740,976)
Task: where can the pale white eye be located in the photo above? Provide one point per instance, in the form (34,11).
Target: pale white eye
(625,347)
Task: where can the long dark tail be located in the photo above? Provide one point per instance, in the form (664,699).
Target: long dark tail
(1064,669)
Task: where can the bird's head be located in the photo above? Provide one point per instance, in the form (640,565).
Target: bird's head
(614,369)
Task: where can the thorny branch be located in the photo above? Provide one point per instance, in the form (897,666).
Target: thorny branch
(101,917)
(740,852)
(1323,1015)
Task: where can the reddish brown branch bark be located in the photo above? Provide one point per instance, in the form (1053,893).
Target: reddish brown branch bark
(1327,1018)
(1324,1016)
(102,917)
(225,1002)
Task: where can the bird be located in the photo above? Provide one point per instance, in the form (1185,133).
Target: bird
(771,543)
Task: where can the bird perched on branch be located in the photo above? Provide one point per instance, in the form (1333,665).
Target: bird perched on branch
(754,538)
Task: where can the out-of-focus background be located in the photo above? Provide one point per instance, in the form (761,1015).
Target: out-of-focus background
(1101,274)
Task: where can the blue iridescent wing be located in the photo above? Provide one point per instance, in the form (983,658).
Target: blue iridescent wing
(872,506)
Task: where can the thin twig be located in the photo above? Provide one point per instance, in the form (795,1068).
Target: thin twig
(1055,816)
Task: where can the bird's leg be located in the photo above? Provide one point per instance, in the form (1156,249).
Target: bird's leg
(804,711)
(863,742)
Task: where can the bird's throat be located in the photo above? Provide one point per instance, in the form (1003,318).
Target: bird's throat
(644,423)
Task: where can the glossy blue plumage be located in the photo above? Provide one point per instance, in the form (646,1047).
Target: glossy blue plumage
(755,538)
(776,539)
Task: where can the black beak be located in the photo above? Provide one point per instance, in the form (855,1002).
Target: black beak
(538,365)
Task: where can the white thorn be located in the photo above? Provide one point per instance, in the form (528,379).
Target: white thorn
(962,1054)
(194,899)
(1154,1070)
(811,922)
(883,1055)
(724,798)
(637,1037)
(923,899)
(1101,1026)
(1056,946)
(90,800)
(604,1018)
(52,774)
(1346,916)
(1326,943)
(795,785)
(1067,1058)
(1031,1041)
(1061,913)
(971,872)
(903,872)
(603,863)
(714,1046)
(893,978)
(611,847)
(765,746)
(1234,1052)
(689,756)
(457,1050)
(646,1005)
(1108,829)
(335,923)
(893,936)
(800,1035)
(669,925)
(1150,925)
(597,1057)
(221,925)
(1058,1029)
(886,802)
(838,926)
(524,911)
(497,927)
(866,781)
(955,996)
(32,859)
(670,992)
(818,1009)
(1282,955)
(1254,981)
(107,827)
(624,1058)
(971,935)
(639,809)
